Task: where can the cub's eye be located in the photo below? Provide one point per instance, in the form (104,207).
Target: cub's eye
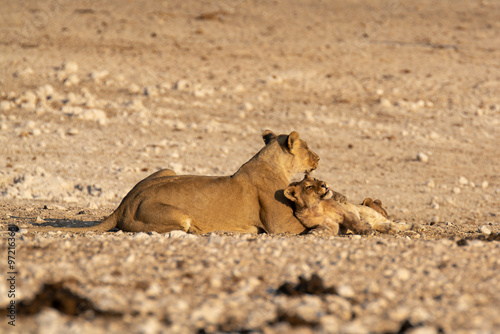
(309,187)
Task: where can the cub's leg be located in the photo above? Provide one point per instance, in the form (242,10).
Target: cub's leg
(158,217)
(353,223)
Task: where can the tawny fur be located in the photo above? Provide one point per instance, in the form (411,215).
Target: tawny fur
(316,207)
(317,204)
(251,200)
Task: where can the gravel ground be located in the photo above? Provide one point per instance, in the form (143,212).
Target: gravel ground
(400,99)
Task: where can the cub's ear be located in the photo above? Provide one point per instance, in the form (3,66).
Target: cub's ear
(378,202)
(367,202)
(293,140)
(308,176)
(290,194)
(268,136)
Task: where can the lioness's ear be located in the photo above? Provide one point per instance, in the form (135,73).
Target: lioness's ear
(367,202)
(378,202)
(290,194)
(268,135)
(293,140)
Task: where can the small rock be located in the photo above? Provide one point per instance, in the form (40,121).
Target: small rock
(422,157)
(151,91)
(98,75)
(72,132)
(183,85)
(69,67)
(179,126)
(140,235)
(45,92)
(134,89)
(176,234)
(485,184)
(403,274)
(456,190)
(5,106)
(430,183)
(485,230)
(463,181)
(346,291)
(92,206)
(54,207)
(94,115)
(71,80)
(385,103)
(423,330)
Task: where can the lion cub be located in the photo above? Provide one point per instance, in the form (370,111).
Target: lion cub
(316,207)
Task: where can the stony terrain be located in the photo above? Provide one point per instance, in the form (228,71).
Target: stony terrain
(400,99)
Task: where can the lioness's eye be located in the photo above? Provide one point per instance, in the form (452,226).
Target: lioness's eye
(309,187)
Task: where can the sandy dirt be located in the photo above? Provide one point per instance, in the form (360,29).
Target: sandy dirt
(400,99)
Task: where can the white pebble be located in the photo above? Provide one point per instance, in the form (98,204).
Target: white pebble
(179,126)
(456,190)
(463,181)
(72,80)
(94,115)
(5,106)
(346,291)
(69,67)
(239,88)
(92,206)
(403,274)
(183,85)
(73,132)
(485,230)
(422,157)
(385,103)
(430,183)
(43,92)
(151,91)
(176,234)
(99,75)
(485,184)
(140,235)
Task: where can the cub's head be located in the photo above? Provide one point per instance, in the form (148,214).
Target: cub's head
(293,152)
(375,205)
(308,192)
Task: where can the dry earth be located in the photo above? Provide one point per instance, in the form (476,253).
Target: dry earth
(401,100)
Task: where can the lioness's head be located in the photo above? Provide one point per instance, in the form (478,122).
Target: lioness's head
(308,192)
(298,155)
(375,205)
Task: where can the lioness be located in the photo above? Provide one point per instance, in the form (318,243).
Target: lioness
(316,205)
(251,200)
(317,209)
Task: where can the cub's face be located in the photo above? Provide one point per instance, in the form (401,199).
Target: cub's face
(308,192)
